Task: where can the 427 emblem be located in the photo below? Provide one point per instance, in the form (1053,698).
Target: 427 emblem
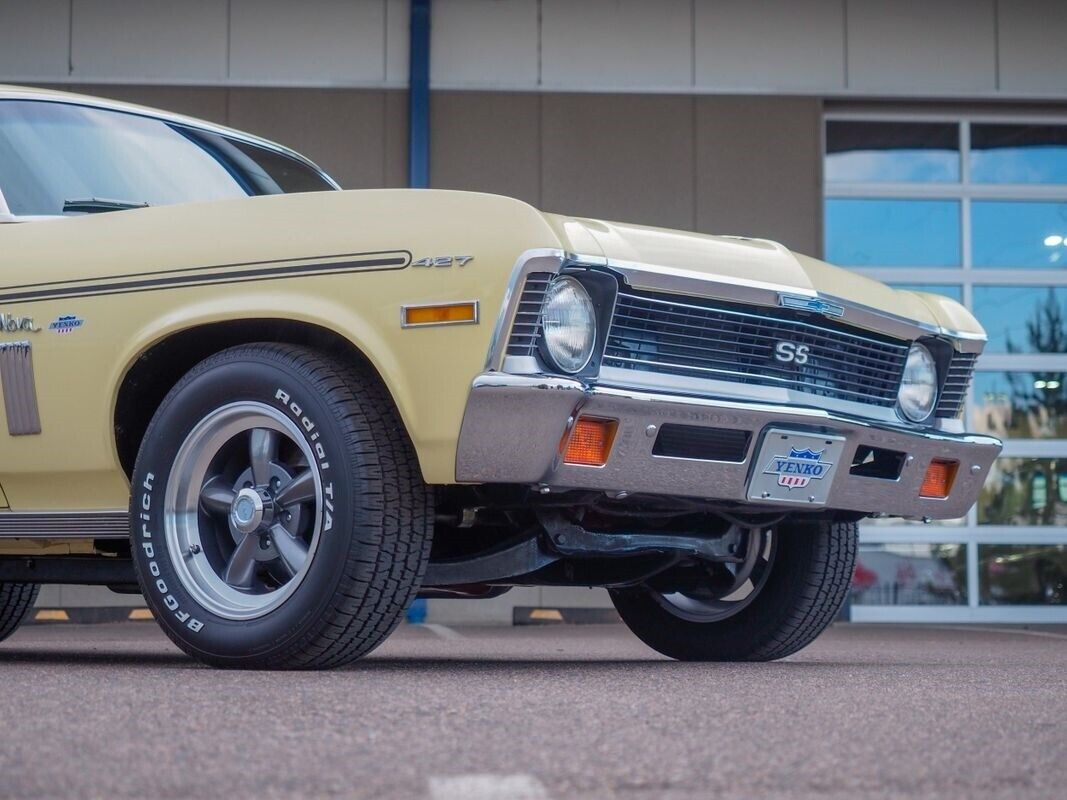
(443,261)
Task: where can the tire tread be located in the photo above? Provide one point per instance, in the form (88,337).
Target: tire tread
(16,602)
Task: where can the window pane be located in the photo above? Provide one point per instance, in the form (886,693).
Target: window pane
(1033,575)
(52,152)
(1025,491)
(955,292)
(1020,405)
(892,151)
(1019,153)
(1019,234)
(910,574)
(1023,319)
(893,233)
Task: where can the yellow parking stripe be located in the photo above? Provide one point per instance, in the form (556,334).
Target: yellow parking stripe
(51,615)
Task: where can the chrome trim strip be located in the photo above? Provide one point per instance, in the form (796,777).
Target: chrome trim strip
(537,260)
(20,388)
(688,282)
(405,324)
(65,524)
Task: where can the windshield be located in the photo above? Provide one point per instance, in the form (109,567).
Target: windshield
(66,159)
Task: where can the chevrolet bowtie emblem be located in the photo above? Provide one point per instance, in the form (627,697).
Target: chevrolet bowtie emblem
(814,304)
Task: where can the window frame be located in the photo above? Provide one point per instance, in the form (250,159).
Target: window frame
(966,276)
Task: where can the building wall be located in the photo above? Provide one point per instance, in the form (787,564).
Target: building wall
(912,48)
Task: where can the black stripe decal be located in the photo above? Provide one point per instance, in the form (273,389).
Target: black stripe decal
(199,276)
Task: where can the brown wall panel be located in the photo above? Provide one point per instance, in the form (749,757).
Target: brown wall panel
(622,157)
(344,131)
(759,169)
(719,164)
(487,142)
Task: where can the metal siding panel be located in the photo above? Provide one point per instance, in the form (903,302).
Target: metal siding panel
(487,142)
(316,41)
(139,41)
(770,45)
(34,39)
(396,41)
(921,47)
(626,157)
(341,130)
(758,168)
(616,44)
(1032,48)
(485,44)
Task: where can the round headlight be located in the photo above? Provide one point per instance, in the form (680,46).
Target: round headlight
(568,325)
(918,390)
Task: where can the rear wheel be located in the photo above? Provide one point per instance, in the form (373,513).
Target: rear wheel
(16,602)
(279,518)
(785,591)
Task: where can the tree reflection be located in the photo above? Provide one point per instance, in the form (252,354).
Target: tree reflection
(1034,493)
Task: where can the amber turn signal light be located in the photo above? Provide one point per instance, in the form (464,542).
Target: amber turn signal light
(445,314)
(590,442)
(939,478)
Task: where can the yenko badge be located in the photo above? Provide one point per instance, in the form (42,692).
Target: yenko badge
(799,468)
(789,460)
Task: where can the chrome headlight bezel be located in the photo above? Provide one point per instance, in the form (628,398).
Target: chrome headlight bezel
(919,385)
(567,297)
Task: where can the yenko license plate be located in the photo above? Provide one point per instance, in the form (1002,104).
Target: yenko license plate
(795,467)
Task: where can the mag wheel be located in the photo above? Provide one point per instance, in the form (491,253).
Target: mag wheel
(279,516)
(787,588)
(245,505)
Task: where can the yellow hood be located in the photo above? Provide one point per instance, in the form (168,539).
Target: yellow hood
(755,262)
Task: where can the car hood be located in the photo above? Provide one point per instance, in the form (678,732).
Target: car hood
(754,262)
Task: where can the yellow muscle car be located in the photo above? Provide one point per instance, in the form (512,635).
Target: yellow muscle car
(283,411)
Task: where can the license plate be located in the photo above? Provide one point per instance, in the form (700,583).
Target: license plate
(795,467)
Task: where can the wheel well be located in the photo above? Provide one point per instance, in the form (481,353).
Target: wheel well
(160,367)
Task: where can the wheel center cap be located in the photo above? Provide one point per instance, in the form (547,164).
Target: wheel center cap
(250,511)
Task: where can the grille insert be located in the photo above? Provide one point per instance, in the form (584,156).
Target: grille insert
(656,333)
(527,325)
(957,382)
(703,444)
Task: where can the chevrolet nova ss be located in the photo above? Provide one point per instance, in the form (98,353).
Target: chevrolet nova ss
(282,411)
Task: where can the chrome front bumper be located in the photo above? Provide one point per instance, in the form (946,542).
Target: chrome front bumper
(514,426)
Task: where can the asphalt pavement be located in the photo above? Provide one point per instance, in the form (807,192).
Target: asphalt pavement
(548,712)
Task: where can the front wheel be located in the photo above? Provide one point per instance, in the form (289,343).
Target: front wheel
(784,593)
(279,517)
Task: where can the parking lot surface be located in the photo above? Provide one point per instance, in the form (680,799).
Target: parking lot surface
(546,712)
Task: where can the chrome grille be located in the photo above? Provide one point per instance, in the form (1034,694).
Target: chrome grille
(957,382)
(723,341)
(527,325)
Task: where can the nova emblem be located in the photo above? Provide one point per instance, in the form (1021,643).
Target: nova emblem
(790,352)
(799,468)
(442,261)
(814,304)
(12,324)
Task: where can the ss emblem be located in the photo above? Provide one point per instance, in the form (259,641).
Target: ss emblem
(790,352)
